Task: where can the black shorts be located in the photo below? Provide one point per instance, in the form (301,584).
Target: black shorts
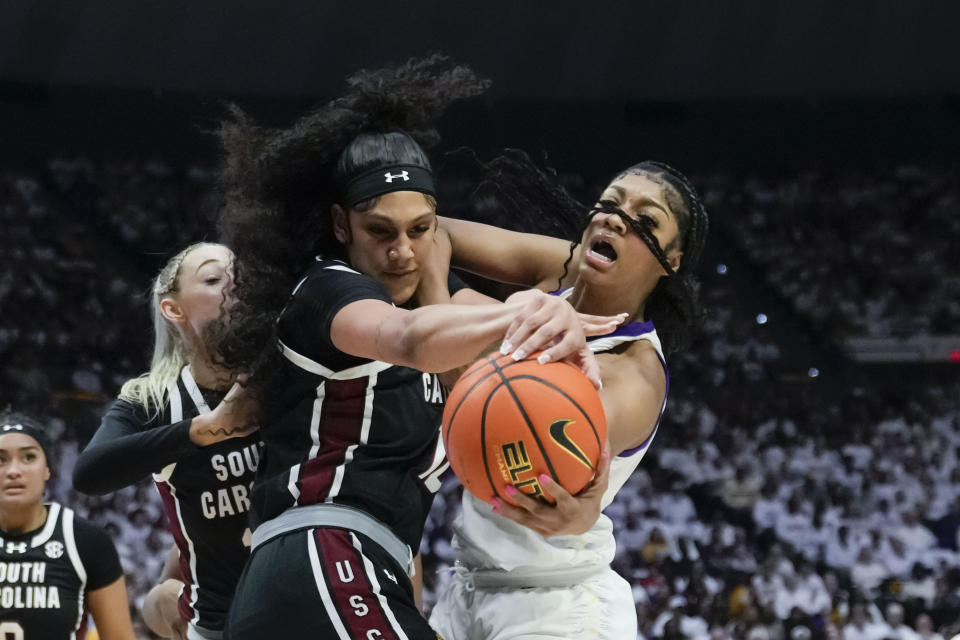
(325,583)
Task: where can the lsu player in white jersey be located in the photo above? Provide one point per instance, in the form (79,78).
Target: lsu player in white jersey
(538,571)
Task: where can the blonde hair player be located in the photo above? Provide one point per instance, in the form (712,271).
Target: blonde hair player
(187,422)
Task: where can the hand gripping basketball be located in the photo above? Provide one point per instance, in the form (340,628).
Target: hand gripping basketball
(571,515)
(508,423)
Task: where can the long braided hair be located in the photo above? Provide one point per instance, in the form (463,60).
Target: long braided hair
(278,186)
(674,304)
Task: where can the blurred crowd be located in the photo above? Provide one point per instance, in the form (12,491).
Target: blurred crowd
(767,508)
(860,252)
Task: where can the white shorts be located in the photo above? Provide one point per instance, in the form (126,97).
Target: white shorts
(600,607)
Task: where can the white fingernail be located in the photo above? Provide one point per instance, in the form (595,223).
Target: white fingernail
(519,354)
(601,384)
(506,347)
(544,358)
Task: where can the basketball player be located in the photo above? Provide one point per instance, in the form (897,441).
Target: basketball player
(186,422)
(353,456)
(543,572)
(54,567)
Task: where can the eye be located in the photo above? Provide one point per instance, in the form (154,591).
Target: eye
(652,221)
(379,231)
(29,457)
(212,280)
(420,230)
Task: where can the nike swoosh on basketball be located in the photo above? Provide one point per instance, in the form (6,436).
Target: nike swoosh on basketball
(559,435)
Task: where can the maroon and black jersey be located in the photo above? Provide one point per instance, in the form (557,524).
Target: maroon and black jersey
(205,490)
(352,431)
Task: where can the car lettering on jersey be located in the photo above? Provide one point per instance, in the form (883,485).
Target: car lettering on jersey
(225,502)
(432,389)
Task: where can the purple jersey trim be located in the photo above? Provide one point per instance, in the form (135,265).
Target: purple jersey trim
(632,330)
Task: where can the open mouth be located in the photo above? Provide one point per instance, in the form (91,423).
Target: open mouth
(602,251)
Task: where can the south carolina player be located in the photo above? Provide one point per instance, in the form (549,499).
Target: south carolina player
(352,447)
(54,566)
(539,571)
(187,423)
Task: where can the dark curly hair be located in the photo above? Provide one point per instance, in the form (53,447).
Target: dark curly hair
(513,192)
(278,185)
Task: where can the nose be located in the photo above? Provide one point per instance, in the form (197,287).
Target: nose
(402,250)
(616,223)
(12,469)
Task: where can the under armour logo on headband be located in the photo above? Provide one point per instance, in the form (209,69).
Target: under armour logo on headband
(12,427)
(386,179)
(390,176)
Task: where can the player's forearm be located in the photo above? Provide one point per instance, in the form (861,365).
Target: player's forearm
(111,461)
(442,337)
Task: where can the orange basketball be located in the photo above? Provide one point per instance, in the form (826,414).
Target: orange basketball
(508,422)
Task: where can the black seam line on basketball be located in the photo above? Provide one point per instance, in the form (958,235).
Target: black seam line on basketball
(523,412)
(596,436)
(453,416)
(483,440)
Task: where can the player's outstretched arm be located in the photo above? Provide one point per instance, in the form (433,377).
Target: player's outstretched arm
(507,256)
(111,612)
(440,337)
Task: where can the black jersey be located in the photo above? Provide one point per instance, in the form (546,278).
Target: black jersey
(45,575)
(353,431)
(205,490)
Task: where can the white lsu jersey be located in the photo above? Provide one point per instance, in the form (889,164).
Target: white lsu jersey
(485,540)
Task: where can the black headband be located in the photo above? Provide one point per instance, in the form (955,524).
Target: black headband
(397,177)
(28,430)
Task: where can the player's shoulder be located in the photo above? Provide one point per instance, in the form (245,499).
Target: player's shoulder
(130,411)
(93,542)
(329,276)
(639,361)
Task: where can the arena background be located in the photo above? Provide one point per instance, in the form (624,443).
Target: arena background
(824,138)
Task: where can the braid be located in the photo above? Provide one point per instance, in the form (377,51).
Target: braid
(674,304)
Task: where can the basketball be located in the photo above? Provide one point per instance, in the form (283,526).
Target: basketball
(507,422)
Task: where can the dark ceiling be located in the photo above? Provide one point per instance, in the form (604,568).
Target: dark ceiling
(580,49)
